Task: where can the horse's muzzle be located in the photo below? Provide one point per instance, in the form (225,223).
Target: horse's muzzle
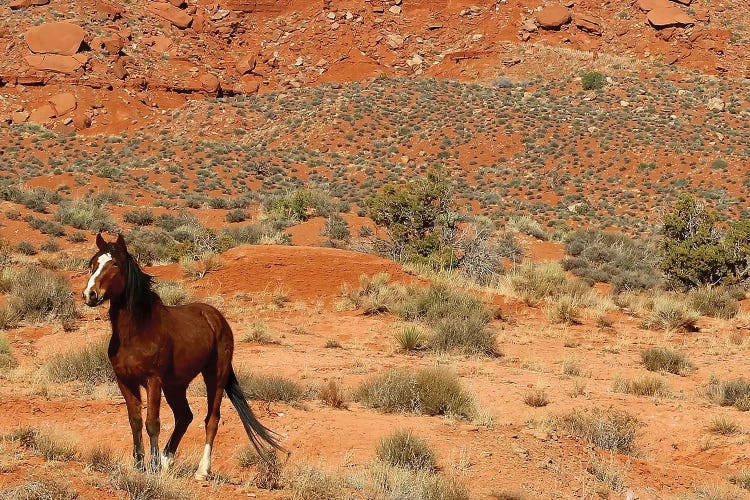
(92,299)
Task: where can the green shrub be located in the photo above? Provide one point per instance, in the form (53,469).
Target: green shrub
(610,429)
(695,252)
(90,364)
(593,80)
(336,228)
(26,248)
(418,218)
(404,449)
(430,391)
(410,338)
(661,359)
(237,215)
(300,205)
(533,282)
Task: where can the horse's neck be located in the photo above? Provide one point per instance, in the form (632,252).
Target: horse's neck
(125,324)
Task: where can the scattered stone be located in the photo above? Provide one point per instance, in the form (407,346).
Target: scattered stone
(62,38)
(118,69)
(63,103)
(395,9)
(220,14)
(669,16)
(415,60)
(42,114)
(471,11)
(246,64)
(23,4)
(553,16)
(20,116)
(177,17)
(588,24)
(111,44)
(529,25)
(81,120)
(716,104)
(683,2)
(394,41)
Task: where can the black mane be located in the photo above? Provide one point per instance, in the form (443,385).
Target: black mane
(138,293)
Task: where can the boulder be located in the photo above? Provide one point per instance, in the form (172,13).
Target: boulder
(19,116)
(209,83)
(81,120)
(62,38)
(22,4)
(664,17)
(63,103)
(553,16)
(42,114)
(56,63)
(174,15)
(111,44)
(649,5)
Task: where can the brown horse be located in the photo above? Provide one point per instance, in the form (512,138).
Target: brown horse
(163,348)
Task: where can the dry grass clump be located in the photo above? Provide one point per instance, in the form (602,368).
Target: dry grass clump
(533,282)
(270,388)
(173,293)
(610,429)
(7,360)
(36,294)
(669,313)
(566,309)
(721,424)
(607,472)
(101,459)
(137,485)
(90,364)
(458,318)
(40,489)
(536,397)
(410,338)
(332,395)
(645,385)
(51,445)
(662,359)
(259,332)
(741,479)
(715,302)
(404,449)
(430,391)
(194,269)
(268,469)
(729,393)
(308,482)
(387,481)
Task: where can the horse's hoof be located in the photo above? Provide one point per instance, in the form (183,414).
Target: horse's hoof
(200,477)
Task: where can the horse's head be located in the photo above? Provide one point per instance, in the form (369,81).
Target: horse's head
(108,269)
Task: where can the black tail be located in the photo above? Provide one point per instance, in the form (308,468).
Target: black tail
(255,430)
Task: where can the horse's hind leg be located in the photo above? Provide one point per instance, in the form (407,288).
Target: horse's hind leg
(214,391)
(132,394)
(177,400)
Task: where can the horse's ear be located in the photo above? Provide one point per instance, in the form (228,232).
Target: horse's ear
(100,243)
(120,244)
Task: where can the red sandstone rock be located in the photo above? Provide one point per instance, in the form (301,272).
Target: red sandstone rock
(553,16)
(669,16)
(56,63)
(63,103)
(209,83)
(167,11)
(61,38)
(648,5)
(42,114)
(111,44)
(589,24)
(246,64)
(22,4)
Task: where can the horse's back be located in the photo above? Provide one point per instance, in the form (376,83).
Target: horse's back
(200,336)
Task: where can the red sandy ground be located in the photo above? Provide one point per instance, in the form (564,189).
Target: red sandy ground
(674,454)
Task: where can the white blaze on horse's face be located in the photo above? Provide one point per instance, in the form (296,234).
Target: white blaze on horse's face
(90,295)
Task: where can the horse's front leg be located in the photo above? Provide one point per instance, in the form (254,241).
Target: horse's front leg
(153,391)
(132,394)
